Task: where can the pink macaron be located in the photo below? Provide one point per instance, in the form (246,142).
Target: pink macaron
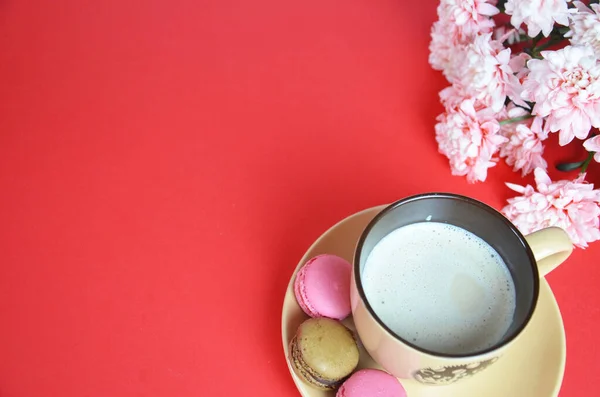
(371,383)
(322,287)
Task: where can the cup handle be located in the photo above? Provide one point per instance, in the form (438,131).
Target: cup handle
(550,246)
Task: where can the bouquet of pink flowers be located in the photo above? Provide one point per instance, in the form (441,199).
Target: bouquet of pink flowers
(520,70)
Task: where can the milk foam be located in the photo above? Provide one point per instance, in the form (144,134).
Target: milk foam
(440,287)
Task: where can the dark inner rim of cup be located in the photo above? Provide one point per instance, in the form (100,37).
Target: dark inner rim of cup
(492,212)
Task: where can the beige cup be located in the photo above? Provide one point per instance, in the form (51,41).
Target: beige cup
(527,258)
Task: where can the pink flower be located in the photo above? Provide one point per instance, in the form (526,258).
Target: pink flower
(585,26)
(570,205)
(482,70)
(565,87)
(511,36)
(470,139)
(524,148)
(538,15)
(518,63)
(451,98)
(445,38)
(510,112)
(593,145)
(459,21)
(471,16)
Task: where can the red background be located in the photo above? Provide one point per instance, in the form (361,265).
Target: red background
(165,164)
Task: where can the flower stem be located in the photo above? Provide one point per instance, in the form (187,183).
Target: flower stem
(587,161)
(556,37)
(515,119)
(501,6)
(551,42)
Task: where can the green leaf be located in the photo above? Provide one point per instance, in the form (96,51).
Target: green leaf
(566,167)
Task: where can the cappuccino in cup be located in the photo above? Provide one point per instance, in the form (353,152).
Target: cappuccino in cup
(440,287)
(443,285)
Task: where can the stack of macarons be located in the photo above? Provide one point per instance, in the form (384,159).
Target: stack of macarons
(324,353)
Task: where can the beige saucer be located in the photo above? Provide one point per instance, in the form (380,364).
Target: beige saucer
(533,367)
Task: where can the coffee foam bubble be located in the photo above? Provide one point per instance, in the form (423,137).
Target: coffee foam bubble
(440,287)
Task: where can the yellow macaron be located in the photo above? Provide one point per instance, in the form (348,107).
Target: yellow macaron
(323,353)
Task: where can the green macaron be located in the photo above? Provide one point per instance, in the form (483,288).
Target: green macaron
(323,353)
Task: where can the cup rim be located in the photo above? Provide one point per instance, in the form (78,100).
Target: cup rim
(469,200)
